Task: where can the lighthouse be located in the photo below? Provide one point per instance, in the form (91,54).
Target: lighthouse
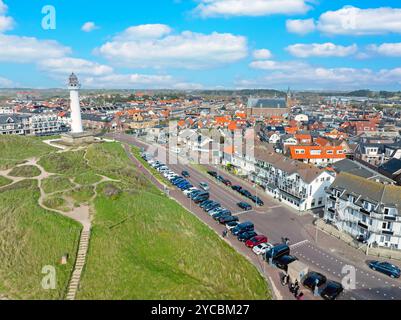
(76,120)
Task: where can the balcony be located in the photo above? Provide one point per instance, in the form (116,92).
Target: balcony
(364,211)
(388,233)
(362,225)
(390,218)
(331,210)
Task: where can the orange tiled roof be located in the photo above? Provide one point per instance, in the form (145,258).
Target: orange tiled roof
(311,152)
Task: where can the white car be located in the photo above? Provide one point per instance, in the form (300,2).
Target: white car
(188,191)
(232,225)
(262,248)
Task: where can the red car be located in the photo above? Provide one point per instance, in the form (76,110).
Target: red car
(255,241)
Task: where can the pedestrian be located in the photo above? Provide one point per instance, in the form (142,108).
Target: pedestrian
(224,233)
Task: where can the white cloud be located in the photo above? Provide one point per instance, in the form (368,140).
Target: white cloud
(5,83)
(29,49)
(262,54)
(321,50)
(89,26)
(276,65)
(232,8)
(185,50)
(145,31)
(6,23)
(67,65)
(386,49)
(351,20)
(300,26)
(303,75)
(140,81)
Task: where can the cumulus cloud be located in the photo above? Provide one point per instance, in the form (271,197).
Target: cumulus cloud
(29,49)
(321,50)
(139,81)
(89,26)
(386,49)
(6,23)
(351,20)
(300,26)
(262,54)
(303,75)
(67,65)
(156,47)
(232,8)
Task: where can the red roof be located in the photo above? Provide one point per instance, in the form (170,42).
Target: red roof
(316,152)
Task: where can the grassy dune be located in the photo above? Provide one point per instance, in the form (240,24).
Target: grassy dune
(31,238)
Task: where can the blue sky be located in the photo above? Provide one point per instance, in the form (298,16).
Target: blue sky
(191,44)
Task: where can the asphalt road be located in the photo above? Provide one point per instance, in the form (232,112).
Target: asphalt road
(275,220)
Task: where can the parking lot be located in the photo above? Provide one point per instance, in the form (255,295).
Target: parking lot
(327,256)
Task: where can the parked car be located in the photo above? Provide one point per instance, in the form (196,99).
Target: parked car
(256,241)
(232,225)
(185,174)
(193,194)
(245,236)
(212,173)
(258,201)
(277,251)
(283,262)
(236,188)
(246,193)
(332,290)
(212,206)
(222,214)
(362,239)
(220,178)
(313,279)
(216,211)
(244,206)
(386,268)
(243,227)
(201,197)
(262,248)
(189,191)
(227,219)
(204,186)
(226,182)
(205,203)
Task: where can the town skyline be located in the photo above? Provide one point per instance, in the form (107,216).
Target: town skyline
(202,45)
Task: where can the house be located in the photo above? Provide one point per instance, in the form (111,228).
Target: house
(358,206)
(296,184)
(13,124)
(288,140)
(392,170)
(303,138)
(358,169)
(317,155)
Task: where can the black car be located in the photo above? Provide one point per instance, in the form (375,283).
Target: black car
(220,178)
(258,201)
(314,279)
(332,290)
(283,262)
(245,236)
(227,182)
(212,173)
(185,174)
(386,268)
(244,206)
(246,193)
(222,214)
(228,219)
(236,188)
(205,203)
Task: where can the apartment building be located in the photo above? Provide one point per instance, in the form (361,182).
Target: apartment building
(299,185)
(13,124)
(364,207)
(317,155)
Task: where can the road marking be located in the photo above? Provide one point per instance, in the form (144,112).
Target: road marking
(297,245)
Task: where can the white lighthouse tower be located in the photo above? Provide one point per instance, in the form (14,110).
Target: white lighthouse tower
(76,123)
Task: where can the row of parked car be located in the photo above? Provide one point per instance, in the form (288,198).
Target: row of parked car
(278,254)
(256,200)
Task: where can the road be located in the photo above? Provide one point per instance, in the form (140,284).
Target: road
(275,220)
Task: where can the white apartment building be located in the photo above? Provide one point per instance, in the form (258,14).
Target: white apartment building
(362,207)
(299,185)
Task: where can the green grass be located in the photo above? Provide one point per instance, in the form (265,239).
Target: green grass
(30,239)
(146,246)
(56,184)
(15,149)
(56,202)
(68,163)
(87,178)
(81,195)
(137,153)
(25,172)
(4,181)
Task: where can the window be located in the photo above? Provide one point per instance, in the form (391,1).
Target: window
(387,226)
(300,151)
(320,201)
(330,152)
